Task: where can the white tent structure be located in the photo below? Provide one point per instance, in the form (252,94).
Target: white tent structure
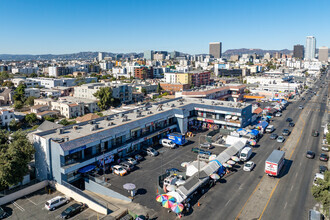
(192,168)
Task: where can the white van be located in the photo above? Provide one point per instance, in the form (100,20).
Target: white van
(270,129)
(56,202)
(245,154)
(167,143)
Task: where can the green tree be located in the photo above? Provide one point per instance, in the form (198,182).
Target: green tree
(30,101)
(159,88)
(144,91)
(105,99)
(33,75)
(31,118)
(20,93)
(16,152)
(8,84)
(328,137)
(321,190)
(50,118)
(66,122)
(4,76)
(18,105)
(14,125)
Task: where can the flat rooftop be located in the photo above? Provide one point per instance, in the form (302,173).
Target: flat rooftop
(119,117)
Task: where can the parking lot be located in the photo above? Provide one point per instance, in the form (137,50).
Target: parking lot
(146,174)
(33,207)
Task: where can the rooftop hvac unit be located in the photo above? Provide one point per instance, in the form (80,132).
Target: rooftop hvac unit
(121,115)
(75,127)
(108,118)
(60,131)
(91,122)
(172,105)
(149,112)
(66,139)
(110,123)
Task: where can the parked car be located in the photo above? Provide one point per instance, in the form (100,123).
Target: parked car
(291,124)
(249,166)
(127,166)
(200,151)
(131,161)
(324,157)
(273,136)
(151,152)
(3,214)
(323,169)
(315,133)
(278,114)
(310,154)
(289,120)
(207,145)
(280,139)
(138,157)
(167,143)
(325,148)
(119,170)
(56,202)
(301,107)
(73,210)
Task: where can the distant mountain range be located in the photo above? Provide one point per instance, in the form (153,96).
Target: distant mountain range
(92,55)
(241,51)
(80,55)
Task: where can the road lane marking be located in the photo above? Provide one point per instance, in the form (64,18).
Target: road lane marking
(271,195)
(291,188)
(18,206)
(227,203)
(285,205)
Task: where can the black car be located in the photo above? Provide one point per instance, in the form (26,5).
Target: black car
(323,169)
(324,157)
(291,124)
(310,154)
(289,120)
(73,210)
(3,214)
(315,133)
(285,132)
(273,136)
(138,157)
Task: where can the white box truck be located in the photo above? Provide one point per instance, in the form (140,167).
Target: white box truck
(245,154)
(274,163)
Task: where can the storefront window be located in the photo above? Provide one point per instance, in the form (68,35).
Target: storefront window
(97,149)
(73,158)
(88,152)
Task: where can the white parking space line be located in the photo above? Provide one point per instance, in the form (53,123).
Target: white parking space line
(30,201)
(285,205)
(227,203)
(18,206)
(291,188)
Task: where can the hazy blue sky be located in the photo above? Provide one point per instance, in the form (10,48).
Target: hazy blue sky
(66,26)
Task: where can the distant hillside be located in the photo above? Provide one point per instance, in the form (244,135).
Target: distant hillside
(241,51)
(81,55)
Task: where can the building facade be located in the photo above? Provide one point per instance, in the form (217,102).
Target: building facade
(310,48)
(144,72)
(215,49)
(298,51)
(61,153)
(323,54)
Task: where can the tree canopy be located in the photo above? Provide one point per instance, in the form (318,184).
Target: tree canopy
(31,118)
(321,191)
(16,152)
(105,99)
(30,100)
(20,93)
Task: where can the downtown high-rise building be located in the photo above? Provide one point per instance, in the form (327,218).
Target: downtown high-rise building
(298,51)
(310,48)
(215,49)
(323,54)
(148,54)
(100,56)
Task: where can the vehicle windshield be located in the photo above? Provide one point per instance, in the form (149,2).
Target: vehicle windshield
(243,155)
(68,210)
(248,165)
(120,169)
(1,211)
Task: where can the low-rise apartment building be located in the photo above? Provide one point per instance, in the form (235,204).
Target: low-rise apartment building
(6,116)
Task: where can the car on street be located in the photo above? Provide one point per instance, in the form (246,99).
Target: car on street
(302,98)
(127,166)
(56,202)
(325,148)
(273,136)
(324,157)
(131,161)
(248,166)
(289,120)
(72,210)
(291,124)
(151,152)
(315,133)
(278,114)
(301,107)
(323,169)
(310,154)
(119,170)
(285,132)
(207,145)
(280,139)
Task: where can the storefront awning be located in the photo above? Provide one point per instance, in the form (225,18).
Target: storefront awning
(86,169)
